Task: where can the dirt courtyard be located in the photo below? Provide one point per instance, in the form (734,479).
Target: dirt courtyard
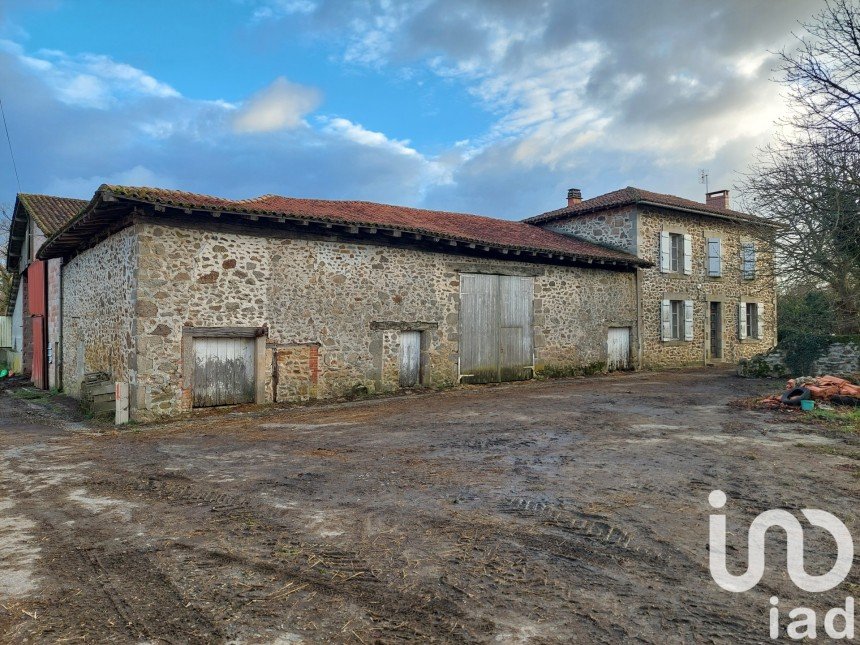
(558,511)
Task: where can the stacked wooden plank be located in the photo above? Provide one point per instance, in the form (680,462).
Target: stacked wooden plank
(98,394)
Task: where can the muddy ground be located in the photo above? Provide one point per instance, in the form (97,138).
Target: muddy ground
(561,511)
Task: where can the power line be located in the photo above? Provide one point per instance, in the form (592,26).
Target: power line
(9,141)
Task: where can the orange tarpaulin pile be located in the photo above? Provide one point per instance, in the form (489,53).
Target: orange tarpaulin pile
(824,388)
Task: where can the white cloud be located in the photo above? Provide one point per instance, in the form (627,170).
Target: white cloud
(268,9)
(89,80)
(178,142)
(281,105)
(359,134)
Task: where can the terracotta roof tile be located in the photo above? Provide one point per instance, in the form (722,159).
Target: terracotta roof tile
(456,226)
(630,195)
(51,213)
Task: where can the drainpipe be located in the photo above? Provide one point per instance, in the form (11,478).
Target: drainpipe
(58,359)
(637,279)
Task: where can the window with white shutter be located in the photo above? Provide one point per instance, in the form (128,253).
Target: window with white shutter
(759,331)
(688,320)
(676,319)
(688,254)
(742,320)
(665,252)
(748,260)
(666,320)
(715,257)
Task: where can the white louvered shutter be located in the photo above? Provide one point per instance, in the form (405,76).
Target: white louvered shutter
(688,320)
(760,319)
(715,257)
(665,252)
(742,320)
(666,319)
(688,254)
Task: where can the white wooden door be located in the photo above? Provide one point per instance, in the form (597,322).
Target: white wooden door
(410,358)
(618,350)
(223,371)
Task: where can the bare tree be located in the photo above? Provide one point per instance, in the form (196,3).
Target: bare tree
(808,180)
(812,190)
(5,273)
(823,72)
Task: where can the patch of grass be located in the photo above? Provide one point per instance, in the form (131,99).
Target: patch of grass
(30,394)
(840,418)
(836,451)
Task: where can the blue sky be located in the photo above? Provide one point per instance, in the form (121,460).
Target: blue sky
(494,107)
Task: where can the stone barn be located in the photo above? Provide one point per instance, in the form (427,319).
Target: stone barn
(196,301)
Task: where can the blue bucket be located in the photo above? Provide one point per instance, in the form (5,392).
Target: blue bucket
(807,405)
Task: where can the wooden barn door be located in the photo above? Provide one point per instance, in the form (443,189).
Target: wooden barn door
(37,291)
(223,371)
(496,330)
(410,358)
(40,367)
(618,348)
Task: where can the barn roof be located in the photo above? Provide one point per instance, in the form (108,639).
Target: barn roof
(630,196)
(50,214)
(470,230)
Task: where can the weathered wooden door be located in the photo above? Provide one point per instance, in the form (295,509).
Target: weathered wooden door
(496,329)
(223,371)
(715,319)
(410,358)
(39,365)
(618,349)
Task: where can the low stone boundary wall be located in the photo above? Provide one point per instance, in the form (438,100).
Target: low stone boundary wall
(806,356)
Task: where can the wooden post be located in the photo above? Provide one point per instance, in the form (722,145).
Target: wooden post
(121,394)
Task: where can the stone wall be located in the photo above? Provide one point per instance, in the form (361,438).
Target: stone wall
(839,358)
(332,295)
(729,289)
(99,311)
(616,229)
(832,356)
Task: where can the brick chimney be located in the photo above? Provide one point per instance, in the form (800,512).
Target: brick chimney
(718,198)
(574,196)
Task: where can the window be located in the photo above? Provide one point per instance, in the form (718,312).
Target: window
(676,317)
(752,320)
(677,252)
(715,257)
(748,260)
(677,310)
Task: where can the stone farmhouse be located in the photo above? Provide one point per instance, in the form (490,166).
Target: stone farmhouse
(197,301)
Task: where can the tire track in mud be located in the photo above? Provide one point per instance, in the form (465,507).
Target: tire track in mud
(533,562)
(114,593)
(395,612)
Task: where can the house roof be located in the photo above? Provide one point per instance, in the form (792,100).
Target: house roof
(51,213)
(630,196)
(439,225)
